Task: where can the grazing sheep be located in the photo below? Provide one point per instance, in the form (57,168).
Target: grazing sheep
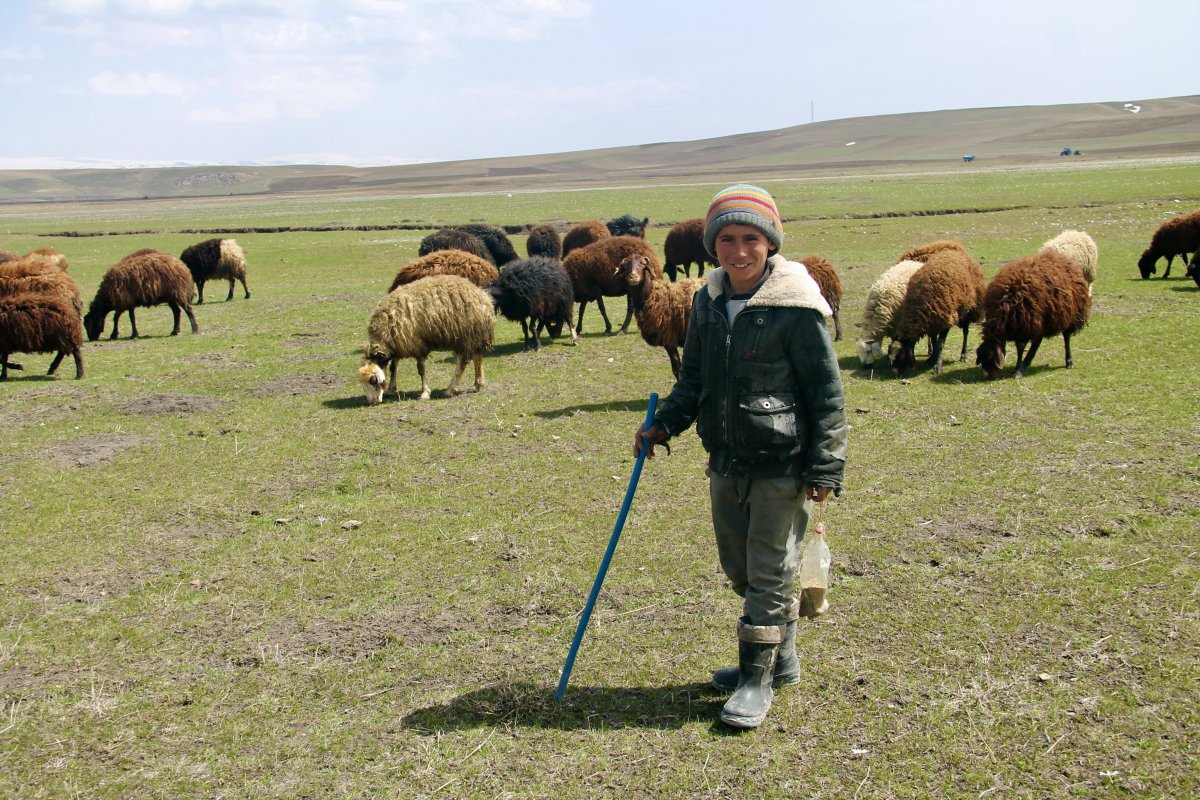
(1193,270)
(831,286)
(495,240)
(1081,249)
(922,252)
(594,274)
(583,234)
(454,239)
(40,322)
(146,279)
(216,259)
(628,225)
(544,241)
(1175,237)
(662,307)
(441,312)
(1029,299)
(945,293)
(683,247)
(50,256)
(446,262)
(883,299)
(539,290)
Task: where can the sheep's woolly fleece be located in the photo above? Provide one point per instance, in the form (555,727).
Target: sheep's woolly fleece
(1081,249)
(883,299)
(789,286)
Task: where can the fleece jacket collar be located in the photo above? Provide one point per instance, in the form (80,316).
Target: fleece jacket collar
(789,286)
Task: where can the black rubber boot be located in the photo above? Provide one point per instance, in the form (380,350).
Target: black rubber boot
(787,666)
(757,648)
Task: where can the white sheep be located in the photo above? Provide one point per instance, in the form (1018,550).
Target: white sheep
(441,312)
(1081,249)
(883,298)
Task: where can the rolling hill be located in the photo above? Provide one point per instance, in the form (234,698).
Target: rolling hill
(938,140)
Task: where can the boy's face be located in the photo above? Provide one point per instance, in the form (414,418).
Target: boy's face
(742,250)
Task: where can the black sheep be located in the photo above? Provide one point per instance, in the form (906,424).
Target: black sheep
(683,247)
(628,225)
(494,239)
(216,259)
(454,239)
(544,241)
(539,290)
(1175,237)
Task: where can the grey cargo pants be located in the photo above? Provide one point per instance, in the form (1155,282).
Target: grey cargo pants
(759,524)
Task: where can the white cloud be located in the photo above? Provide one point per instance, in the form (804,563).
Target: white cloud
(19,53)
(136,83)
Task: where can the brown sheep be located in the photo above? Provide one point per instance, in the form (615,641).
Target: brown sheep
(1175,237)
(583,234)
(36,273)
(544,241)
(595,269)
(8,255)
(945,293)
(216,259)
(1029,299)
(662,307)
(446,262)
(40,322)
(683,247)
(454,239)
(831,286)
(149,279)
(922,252)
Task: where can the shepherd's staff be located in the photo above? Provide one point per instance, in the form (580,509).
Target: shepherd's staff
(608,554)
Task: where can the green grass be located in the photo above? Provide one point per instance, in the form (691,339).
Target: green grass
(183,613)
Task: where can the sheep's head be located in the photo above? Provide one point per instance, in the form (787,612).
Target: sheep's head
(990,356)
(869,351)
(903,356)
(1146,264)
(634,268)
(374,382)
(93,324)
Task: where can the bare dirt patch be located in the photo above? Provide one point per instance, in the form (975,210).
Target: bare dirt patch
(300,385)
(91,451)
(152,404)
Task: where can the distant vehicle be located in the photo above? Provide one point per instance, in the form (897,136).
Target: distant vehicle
(969,158)
(1066,151)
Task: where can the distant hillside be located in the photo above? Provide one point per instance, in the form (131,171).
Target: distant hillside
(932,140)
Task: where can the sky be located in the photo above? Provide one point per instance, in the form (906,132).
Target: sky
(123,83)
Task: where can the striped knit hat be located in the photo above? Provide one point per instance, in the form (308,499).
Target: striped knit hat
(743,204)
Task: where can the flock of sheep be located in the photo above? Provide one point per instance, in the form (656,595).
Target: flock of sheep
(448,297)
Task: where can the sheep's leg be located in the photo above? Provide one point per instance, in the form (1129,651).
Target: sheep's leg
(1167,271)
(604,314)
(963,355)
(479,382)
(116,321)
(133,325)
(3,366)
(245,288)
(424,395)
(460,368)
(628,314)
(175,317)
(392,375)
(525,332)
(77,354)
(57,360)
(537,333)
(579,325)
(1067,347)
(1023,364)
(837,328)
(187,309)
(938,343)
(9,364)
(200,293)
(676,361)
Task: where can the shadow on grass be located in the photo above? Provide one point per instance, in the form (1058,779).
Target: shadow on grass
(582,708)
(612,405)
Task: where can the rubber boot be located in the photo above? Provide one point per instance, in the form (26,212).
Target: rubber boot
(787,666)
(757,648)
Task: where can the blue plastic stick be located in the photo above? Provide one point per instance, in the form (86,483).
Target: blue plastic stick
(608,554)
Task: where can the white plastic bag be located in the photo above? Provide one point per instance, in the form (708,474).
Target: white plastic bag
(813,575)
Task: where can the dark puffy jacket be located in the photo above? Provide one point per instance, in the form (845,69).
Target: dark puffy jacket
(766,396)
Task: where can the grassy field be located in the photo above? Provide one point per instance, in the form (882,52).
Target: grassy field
(226,576)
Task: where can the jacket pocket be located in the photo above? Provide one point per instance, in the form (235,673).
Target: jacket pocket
(766,424)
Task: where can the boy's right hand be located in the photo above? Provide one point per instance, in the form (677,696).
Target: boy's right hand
(647,439)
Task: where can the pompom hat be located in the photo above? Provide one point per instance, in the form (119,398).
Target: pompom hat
(743,204)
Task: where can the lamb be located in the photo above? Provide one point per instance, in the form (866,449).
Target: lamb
(1081,249)
(216,259)
(446,262)
(947,292)
(441,312)
(594,274)
(583,234)
(883,299)
(494,239)
(831,286)
(544,241)
(662,307)
(141,279)
(628,225)
(1175,237)
(537,289)
(454,239)
(40,322)
(683,247)
(1029,299)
